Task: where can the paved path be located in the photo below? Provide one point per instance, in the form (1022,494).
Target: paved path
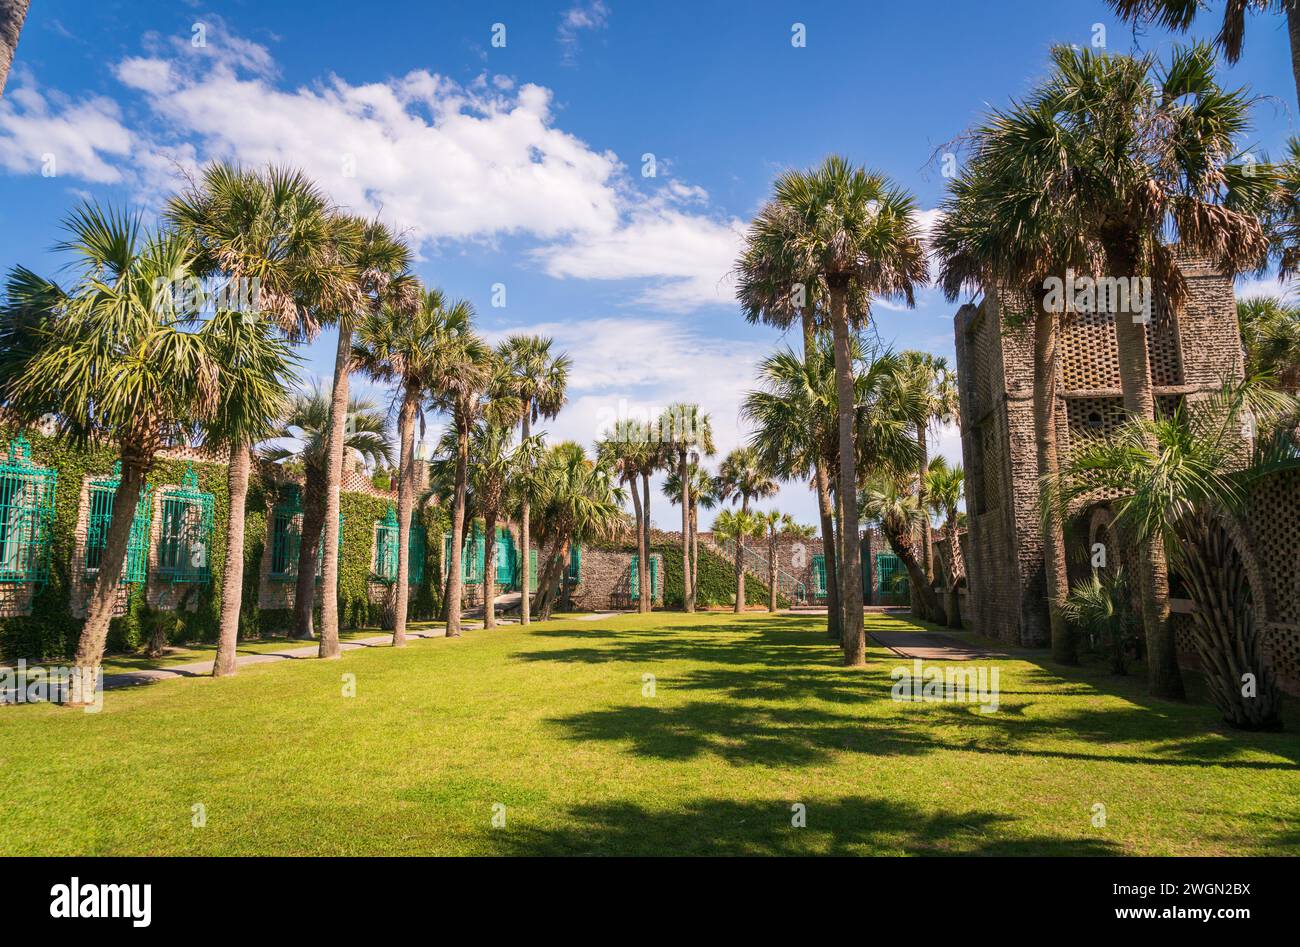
(933,646)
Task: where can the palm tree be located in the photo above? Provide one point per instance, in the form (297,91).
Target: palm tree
(1119,155)
(305,426)
(685,432)
(628,451)
(460,381)
(701,489)
(889,500)
(578,502)
(1099,607)
(776,525)
(858,232)
(1188,494)
(268,235)
(943,495)
(1179,15)
(741,476)
(405,344)
(378,266)
(735,526)
(497,462)
(772,290)
(1270,335)
(540,381)
(118,358)
(936,396)
(12,15)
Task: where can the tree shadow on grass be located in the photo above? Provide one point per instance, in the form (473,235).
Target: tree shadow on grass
(846,826)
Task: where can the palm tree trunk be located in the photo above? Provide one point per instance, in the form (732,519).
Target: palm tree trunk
(900,543)
(1163,676)
(12,15)
(823,500)
(688,589)
(405,502)
(549,578)
(313,522)
(927,544)
(489,568)
(957,569)
(232,581)
(103,597)
(852,640)
(771,576)
(457,529)
(640,538)
(647,593)
(525,612)
(740,560)
(695,549)
(1064,646)
(329,604)
(1292,28)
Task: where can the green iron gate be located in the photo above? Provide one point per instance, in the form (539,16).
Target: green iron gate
(891,580)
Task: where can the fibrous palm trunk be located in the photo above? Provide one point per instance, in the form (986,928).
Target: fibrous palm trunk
(852,640)
(329,603)
(232,580)
(1064,646)
(490,567)
(405,503)
(1163,676)
(647,593)
(525,538)
(313,522)
(457,529)
(642,561)
(900,541)
(1293,31)
(740,561)
(927,543)
(957,570)
(688,586)
(824,508)
(103,597)
(12,15)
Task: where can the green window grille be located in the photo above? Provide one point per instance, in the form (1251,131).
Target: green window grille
(507,559)
(286,535)
(891,580)
(575,563)
(416,543)
(320,549)
(26,515)
(472,556)
(819,576)
(634,578)
(102,492)
(186,535)
(386,545)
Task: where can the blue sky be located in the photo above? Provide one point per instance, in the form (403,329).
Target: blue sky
(522,165)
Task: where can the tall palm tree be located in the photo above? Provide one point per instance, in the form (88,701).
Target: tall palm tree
(859,233)
(775,526)
(1120,154)
(772,290)
(378,265)
(1270,335)
(117,358)
(539,379)
(405,344)
(12,15)
(1180,14)
(578,502)
(686,433)
(944,486)
(629,452)
(936,396)
(1189,494)
(268,234)
(460,382)
(303,441)
(497,462)
(891,500)
(702,494)
(742,476)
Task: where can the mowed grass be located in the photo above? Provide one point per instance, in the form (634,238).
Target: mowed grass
(557,724)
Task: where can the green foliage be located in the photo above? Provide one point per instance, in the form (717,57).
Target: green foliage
(717,578)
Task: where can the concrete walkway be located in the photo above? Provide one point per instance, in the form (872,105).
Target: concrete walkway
(933,646)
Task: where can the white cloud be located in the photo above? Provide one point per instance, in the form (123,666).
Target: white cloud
(590,16)
(52,135)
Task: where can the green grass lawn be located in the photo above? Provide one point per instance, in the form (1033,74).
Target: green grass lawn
(749,716)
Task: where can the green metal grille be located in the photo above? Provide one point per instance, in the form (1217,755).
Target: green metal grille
(472,555)
(286,535)
(386,545)
(575,564)
(102,492)
(507,559)
(416,542)
(26,516)
(634,578)
(891,580)
(819,576)
(185,540)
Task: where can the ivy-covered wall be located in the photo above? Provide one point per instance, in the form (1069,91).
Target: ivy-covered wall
(51,630)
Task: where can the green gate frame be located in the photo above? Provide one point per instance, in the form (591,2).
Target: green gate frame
(891,580)
(26,516)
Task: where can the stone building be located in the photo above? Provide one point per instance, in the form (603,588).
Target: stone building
(1190,356)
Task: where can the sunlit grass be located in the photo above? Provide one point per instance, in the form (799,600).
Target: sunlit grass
(558,725)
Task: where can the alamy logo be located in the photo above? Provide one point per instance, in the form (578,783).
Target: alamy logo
(1104,294)
(77,900)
